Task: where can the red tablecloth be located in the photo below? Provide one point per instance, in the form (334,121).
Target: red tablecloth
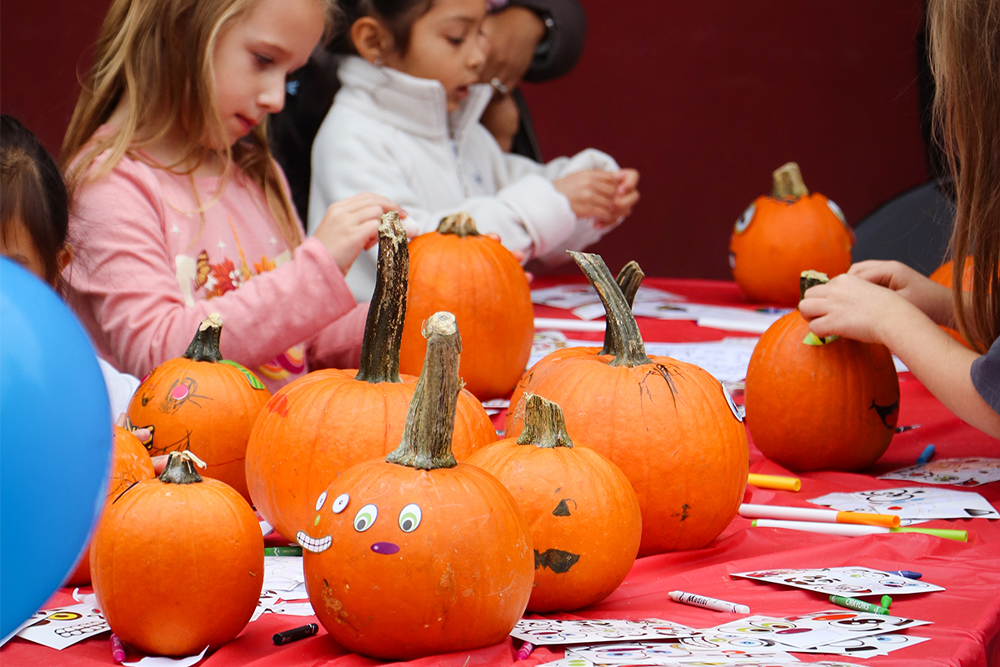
(966,616)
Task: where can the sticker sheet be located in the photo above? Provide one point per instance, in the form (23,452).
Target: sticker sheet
(844,581)
(284,589)
(867,647)
(816,629)
(544,631)
(953,472)
(679,651)
(913,503)
(64,626)
(570,297)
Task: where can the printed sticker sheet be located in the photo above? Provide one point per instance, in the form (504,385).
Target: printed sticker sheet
(845,581)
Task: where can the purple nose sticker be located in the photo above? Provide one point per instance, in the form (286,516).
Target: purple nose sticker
(387,548)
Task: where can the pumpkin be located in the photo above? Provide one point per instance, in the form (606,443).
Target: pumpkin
(201,402)
(584,516)
(130,464)
(178,562)
(456,269)
(320,425)
(780,236)
(669,425)
(943,276)
(418,555)
(820,404)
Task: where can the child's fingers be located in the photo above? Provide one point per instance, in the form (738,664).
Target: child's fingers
(628,179)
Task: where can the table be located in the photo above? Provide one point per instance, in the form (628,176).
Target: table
(966,617)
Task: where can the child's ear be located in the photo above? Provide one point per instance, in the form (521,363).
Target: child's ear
(371,40)
(64,257)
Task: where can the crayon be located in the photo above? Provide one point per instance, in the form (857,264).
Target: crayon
(295,634)
(775,482)
(707,603)
(525,651)
(926,455)
(117,649)
(886,601)
(752,511)
(852,530)
(858,605)
(907,574)
(282,551)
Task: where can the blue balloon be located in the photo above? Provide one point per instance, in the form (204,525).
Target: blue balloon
(55,443)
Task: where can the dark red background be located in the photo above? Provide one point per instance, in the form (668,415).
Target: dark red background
(704,98)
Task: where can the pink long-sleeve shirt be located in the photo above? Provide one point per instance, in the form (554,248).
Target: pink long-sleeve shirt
(148,267)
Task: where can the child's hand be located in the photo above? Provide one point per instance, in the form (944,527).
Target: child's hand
(933,299)
(626,197)
(852,307)
(591,193)
(351,225)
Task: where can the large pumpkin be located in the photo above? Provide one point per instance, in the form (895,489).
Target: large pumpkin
(456,269)
(820,404)
(584,516)
(318,426)
(779,237)
(669,425)
(419,555)
(204,403)
(178,562)
(130,464)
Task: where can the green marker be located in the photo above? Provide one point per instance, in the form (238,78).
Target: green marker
(282,551)
(958,535)
(858,605)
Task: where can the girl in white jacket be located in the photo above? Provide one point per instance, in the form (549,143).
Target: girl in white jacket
(405,124)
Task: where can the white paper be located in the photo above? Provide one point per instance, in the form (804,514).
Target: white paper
(843,581)
(913,503)
(64,626)
(816,629)
(544,631)
(560,324)
(581,294)
(867,647)
(964,472)
(735,651)
(160,661)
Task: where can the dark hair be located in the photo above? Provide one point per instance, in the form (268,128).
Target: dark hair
(398,16)
(32,191)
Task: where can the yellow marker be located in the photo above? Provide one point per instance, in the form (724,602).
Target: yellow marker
(775,482)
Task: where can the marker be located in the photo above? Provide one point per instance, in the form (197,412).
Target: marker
(775,482)
(524,651)
(707,602)
(751,511)
(117,649)
(858,605)
(771,310)
(852,530)
(926,456)
(282,551)
(907,574)
(886,601)
(295,634)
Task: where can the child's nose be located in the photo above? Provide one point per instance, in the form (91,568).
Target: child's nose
(272,97)
(477,54)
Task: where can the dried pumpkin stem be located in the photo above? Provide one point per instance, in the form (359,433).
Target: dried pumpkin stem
(788,183)
(460,224)
(426,442)
(621,336)
(544,424)
(629,279)
(387,311)
(180,469)
(205,344)
(809,279)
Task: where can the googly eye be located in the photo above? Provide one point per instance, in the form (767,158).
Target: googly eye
(340,503)
(409,518)
(836,211)
(732,405)
(745,219)
(320,501)
(365,517)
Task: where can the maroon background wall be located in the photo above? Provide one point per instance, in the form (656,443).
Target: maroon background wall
(704,98)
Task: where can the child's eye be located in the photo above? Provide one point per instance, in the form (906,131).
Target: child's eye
(263,60)
(456,41)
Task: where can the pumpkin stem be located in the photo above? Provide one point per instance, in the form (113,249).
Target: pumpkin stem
(809,279)
(461,224)
(629,279)
(384,326)
(205,344)
(788,183)
(180,469)
(544,424)
(430,420)
(621,336)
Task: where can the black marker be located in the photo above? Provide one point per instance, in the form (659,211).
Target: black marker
(295,634)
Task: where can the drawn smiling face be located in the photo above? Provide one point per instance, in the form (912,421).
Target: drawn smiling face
(408,521)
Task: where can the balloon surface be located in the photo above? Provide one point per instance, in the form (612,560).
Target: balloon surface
(55,442)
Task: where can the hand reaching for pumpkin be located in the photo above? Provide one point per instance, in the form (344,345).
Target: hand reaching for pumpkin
(605,195)
(351,225)
(855,308)
(932,299)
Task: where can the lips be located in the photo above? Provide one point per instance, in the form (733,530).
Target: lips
(246,123)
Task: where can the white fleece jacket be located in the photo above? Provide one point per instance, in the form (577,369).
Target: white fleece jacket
(390,133)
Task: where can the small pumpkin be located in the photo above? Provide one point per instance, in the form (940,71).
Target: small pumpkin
(202,402)
(669,425)
(318,426)
(456,269)
(820,404)
(178,562)
(943,276)
(779,237)
(130,464)
(419,555)
(584,515)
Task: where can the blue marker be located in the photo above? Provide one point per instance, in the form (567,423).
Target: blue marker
(907,574)
(926,456)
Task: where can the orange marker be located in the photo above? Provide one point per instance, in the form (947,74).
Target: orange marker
(752,511)
(775,482)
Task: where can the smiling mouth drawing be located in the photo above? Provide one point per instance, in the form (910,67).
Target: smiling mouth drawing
(385,548)
(311,543)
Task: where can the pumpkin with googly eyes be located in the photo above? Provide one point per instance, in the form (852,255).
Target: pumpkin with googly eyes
(780,236)
(419,555)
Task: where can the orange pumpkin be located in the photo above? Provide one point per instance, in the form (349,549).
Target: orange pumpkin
(130,464)
(318,426)
(201,402)
(669,425)
(815,404)
(178,562)
(428,555)
(584,515)
(458,270)
(943,275)
(780,236)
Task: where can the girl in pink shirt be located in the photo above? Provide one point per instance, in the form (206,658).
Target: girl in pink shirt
(178,208)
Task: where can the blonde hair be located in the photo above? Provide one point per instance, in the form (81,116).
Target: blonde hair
(155,57)
(965,60)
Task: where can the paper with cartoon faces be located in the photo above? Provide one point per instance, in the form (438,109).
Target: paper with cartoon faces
(680,651)
(816,629)
(953,472)
(543,631)
(913,504)
(569,297)
(64,626)
(866,647)
(844,581)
